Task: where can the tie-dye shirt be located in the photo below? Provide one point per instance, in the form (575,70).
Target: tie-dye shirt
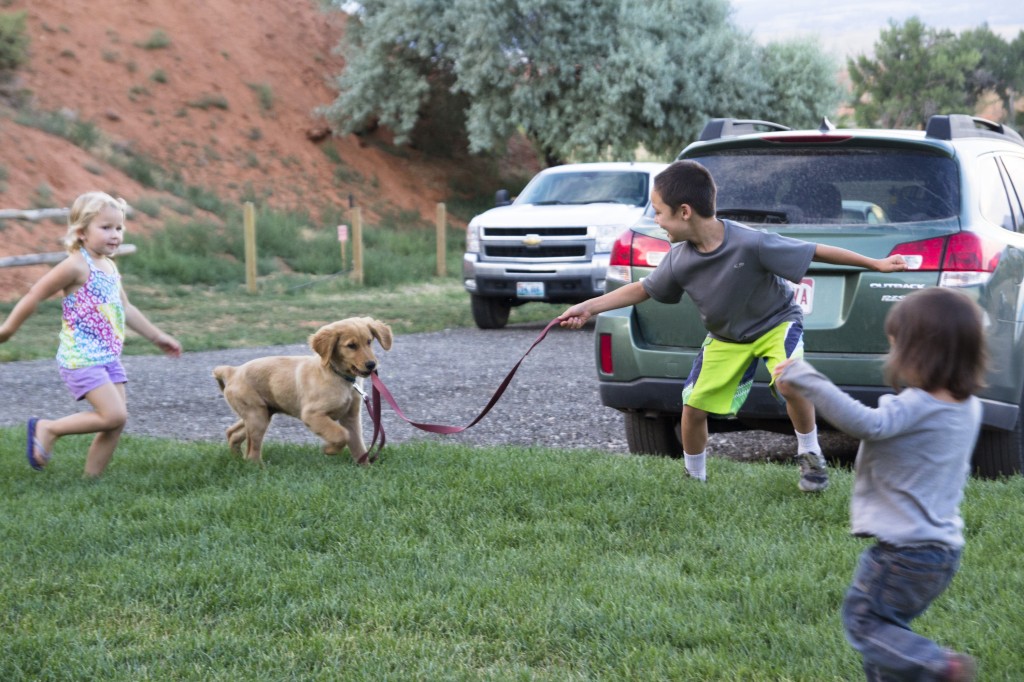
(92,330)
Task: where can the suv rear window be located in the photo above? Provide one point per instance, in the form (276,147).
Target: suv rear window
(795,185)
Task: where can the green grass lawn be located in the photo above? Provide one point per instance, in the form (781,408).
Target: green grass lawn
(452,563)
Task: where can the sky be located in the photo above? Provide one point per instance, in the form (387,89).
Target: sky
(848,28)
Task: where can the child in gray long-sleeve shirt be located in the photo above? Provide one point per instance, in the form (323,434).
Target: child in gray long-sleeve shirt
(911,469)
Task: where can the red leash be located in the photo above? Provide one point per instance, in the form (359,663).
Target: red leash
(373,405)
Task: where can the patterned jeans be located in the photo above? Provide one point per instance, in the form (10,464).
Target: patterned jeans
(891,587)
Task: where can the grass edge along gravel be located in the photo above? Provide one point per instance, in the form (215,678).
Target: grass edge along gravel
(285,311)
(448,562)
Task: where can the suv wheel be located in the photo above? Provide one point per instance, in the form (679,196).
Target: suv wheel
(652,435)
(1000,453)
(490,313)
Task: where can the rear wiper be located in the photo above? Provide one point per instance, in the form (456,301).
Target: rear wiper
(754,215)
(556,202)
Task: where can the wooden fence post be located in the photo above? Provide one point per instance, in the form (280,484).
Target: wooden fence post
(442,241)
(357,245)
(249,225)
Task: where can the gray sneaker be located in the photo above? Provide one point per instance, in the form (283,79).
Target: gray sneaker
(813,472)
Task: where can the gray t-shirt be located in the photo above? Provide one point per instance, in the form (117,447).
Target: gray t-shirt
(739,288)
(913,461)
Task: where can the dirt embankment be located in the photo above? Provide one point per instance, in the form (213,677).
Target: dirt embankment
(223,93)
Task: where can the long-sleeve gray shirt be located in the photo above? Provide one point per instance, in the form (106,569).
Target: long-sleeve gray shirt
(913,461)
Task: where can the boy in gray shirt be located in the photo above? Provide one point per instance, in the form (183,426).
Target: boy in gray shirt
(736,276)
(911,469)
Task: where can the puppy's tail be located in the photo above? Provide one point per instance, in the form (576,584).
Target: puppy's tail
(223,374)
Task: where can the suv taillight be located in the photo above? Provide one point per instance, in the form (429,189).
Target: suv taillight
(634,249)
(964,258)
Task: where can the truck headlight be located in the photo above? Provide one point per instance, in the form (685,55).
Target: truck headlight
(472,238)
(604,236)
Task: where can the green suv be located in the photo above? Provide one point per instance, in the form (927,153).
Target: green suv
(950,199)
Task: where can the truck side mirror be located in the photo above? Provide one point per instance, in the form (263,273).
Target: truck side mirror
(501,198)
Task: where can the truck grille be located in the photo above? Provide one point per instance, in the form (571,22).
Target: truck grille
(539,231)
(553,251)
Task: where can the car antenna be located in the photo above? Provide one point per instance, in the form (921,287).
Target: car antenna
(826,125)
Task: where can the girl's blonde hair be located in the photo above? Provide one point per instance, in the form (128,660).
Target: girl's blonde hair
(937,338)
(86,207)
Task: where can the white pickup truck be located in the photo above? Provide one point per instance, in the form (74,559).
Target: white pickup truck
(553,242)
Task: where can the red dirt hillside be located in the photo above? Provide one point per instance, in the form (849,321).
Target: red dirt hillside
(222,92)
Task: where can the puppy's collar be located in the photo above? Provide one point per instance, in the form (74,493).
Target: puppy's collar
(347,377)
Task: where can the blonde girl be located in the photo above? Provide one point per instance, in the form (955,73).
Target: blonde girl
(95,312)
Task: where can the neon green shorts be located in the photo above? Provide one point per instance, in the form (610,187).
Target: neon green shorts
(723,371)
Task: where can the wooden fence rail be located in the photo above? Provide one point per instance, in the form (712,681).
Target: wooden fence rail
(41,213)
(52,257)
(32,214)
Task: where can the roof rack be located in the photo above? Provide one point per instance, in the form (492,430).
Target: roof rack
(956,126)
(727,127)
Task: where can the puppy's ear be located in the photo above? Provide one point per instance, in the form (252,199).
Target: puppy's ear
(322,343)
(382,333)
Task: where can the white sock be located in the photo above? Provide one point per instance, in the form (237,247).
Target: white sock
(695,465)
(807,442)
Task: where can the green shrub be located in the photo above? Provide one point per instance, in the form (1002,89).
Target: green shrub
(157,40)
(82,134)
(265,95)
(148,205)
(42,197)
(195,252)
(13,41)
(137,167)
(210,101)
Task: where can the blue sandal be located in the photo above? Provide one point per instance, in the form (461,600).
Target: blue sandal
(34,447)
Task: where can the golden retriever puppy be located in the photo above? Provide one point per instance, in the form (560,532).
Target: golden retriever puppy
(320,390)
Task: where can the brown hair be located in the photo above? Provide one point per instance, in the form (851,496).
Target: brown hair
(687,182)
(937,342)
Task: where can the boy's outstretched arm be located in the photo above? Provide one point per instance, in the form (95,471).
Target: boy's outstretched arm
(835,255)
(578,315)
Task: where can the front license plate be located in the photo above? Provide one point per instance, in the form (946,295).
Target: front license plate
(803,295)
(530,289)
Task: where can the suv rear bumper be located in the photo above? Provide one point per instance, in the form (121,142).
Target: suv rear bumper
(662,395)
(563,282)
(761,410)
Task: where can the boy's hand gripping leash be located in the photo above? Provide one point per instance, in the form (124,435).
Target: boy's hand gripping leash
(373,405)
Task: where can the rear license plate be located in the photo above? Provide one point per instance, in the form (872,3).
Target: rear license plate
(530,289)
(803,295)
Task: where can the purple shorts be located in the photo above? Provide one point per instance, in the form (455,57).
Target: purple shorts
(81,381)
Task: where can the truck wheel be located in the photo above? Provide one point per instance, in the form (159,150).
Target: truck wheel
(490,313)
(1000,453)
(652,435)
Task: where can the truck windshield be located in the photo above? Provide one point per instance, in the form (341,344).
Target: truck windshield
(590,187)
(796,185)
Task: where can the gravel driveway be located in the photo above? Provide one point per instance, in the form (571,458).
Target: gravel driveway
(443,377)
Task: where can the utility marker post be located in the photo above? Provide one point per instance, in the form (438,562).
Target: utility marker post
(249,225)
(343,239)
(442,241)
(357,245)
